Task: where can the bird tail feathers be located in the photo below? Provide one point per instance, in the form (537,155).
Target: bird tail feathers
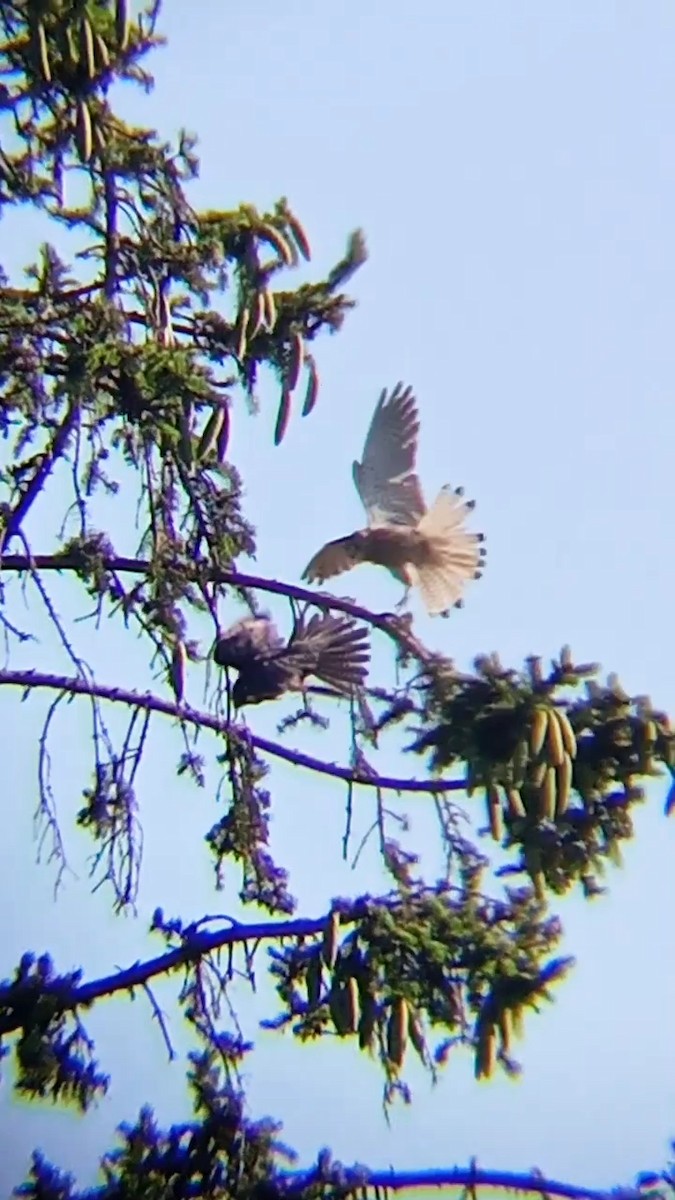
(448,512)
(334,649)
(456,555)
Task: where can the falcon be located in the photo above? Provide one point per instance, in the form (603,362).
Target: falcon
(425,548)
(333,648)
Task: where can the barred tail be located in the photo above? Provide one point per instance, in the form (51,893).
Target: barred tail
(334,648)
(456,556)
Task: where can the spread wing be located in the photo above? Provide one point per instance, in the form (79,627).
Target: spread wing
(386,481)
(333,559)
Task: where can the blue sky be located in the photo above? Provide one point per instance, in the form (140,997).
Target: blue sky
(513,167)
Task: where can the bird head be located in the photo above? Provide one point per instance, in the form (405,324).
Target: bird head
(247,639)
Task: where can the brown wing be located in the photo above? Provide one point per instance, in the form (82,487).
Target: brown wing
(386,481)
(333,559)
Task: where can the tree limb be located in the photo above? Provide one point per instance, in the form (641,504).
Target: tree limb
(469,1178)
(15,516)
(205,720)
(389,623)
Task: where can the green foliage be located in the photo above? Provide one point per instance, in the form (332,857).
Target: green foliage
(450,956)
(53,1056)
(242,834)
(123,370)
(559,773)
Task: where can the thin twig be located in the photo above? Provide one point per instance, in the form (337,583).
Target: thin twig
(160,1018)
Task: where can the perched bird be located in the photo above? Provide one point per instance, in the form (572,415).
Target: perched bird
(333,648)
(425,548)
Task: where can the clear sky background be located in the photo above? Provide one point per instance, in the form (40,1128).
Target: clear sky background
(513,167)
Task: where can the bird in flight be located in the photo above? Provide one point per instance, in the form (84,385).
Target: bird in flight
(333,648)
(425,548)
